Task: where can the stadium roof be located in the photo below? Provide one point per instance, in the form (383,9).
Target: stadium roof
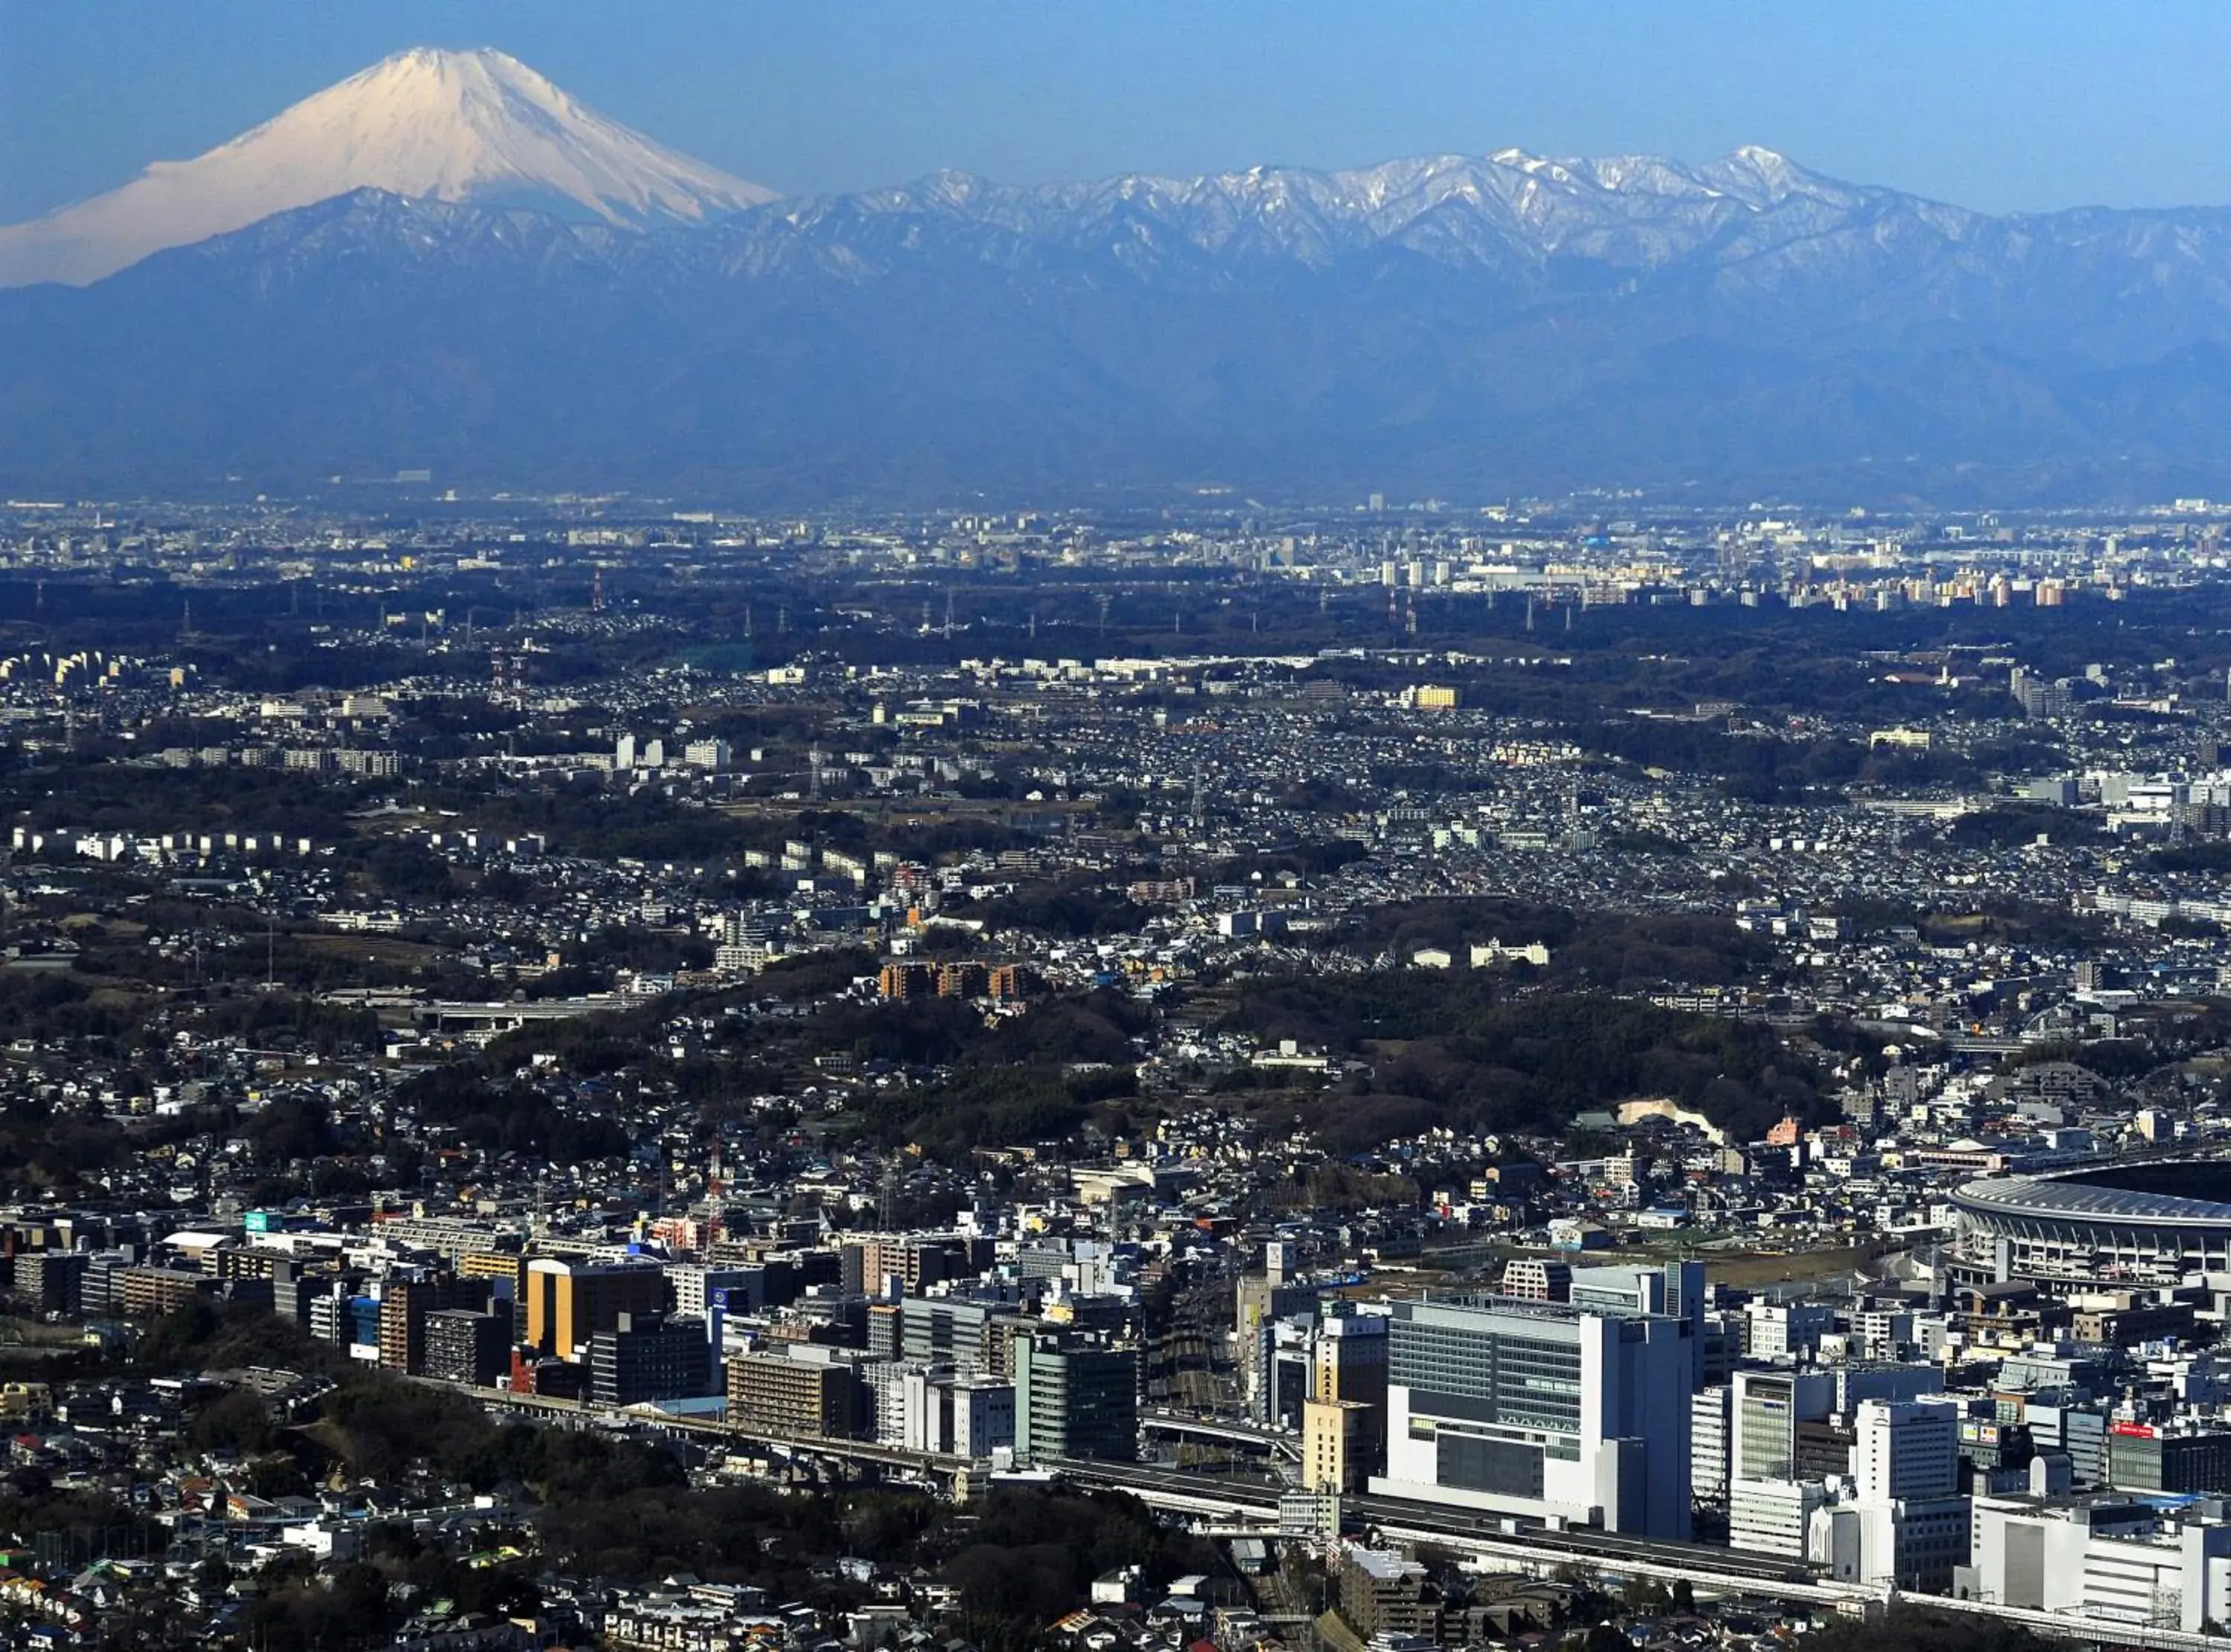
(2070,1197)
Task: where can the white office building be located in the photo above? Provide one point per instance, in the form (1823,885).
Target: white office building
(1709,1415)
(1541,1409)
(1919,1544)
(1907,1450)
(1766,1407)
(2113,1559)
(963,1416)
(1785,1330)
(1773,1516)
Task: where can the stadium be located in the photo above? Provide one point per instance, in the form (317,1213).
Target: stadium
(2108,1224)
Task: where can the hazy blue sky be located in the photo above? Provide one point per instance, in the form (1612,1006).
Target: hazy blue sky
(1999,104)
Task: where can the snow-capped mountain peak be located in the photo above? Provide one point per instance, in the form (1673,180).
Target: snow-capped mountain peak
(450,125)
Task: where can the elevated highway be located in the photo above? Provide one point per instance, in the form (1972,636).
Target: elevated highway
(1249,1504)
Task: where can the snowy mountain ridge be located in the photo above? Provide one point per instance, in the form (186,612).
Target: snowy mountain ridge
(480,128)
(1449,326)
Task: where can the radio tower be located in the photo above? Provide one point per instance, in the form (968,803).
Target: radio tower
(597,592)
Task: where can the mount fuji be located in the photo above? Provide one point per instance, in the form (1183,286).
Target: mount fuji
(476,126)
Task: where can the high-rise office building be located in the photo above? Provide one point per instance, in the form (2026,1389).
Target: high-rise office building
(1675,1290)
(1907,1449)
(1773,1516)
(568,1302)
(1349,1358)
(650,1357)
(1075,1398)
(974,1337)
(1767,1405)
(1338,1445)
(1347,1368)
(1908,1525)
(1260,1301)
(696,1286)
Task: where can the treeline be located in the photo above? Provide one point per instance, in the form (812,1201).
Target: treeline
(1073,909)
(90,792)
(1917,1629)
(980,1106)
(1032,1077)
(1605,950)
(2011,825)
(1443,1050)
(588,818)
(512,1116)
(1764,768)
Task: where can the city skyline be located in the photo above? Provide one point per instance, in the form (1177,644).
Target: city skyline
(1148,828)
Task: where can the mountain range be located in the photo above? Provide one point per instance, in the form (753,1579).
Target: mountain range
(460,269)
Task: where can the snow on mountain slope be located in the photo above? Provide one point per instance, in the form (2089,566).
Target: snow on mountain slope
(473,127)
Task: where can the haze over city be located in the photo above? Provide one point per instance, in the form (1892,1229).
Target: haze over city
(1121,828)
